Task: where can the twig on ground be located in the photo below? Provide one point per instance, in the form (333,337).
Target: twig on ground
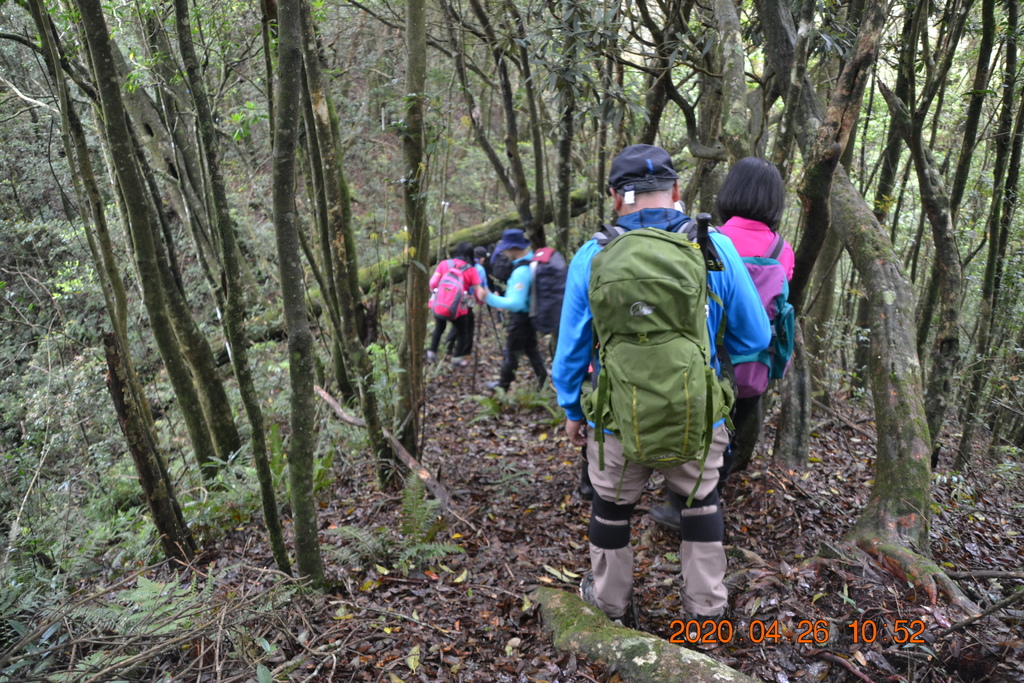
(414,466)
(841,661)
(960,625)
(846,421)
(986,574)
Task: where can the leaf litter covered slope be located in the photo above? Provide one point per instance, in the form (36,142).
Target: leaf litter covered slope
(512,475)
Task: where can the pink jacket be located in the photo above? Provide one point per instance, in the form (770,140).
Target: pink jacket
(752,238)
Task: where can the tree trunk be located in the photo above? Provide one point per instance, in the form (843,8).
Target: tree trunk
(392,271)
(301,450)
(175,537)
(337,200)
(735,133)
(515,162)
(979,91)
(982,363)
(636,657)
(793,433)
(234,313)
(415,196)
(818,314)
(946,351)
(563,188)
(142,230)
(896,516)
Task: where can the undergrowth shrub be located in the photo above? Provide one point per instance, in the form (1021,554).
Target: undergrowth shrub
(521,398)
(412,546)
(136,629)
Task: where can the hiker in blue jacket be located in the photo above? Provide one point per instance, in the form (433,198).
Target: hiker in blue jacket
(644,187)
(520,336)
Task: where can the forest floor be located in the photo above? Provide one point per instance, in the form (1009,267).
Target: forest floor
(512,476)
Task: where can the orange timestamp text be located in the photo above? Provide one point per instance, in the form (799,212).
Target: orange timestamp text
(806,631)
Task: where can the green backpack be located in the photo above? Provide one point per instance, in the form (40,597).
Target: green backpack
(656,390)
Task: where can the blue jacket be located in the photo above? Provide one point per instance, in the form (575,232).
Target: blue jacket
(517,292)
(747,328)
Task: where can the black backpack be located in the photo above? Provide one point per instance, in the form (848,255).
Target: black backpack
(547,289)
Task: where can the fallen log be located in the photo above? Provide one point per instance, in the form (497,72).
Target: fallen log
(635,656)
(440,493)
(393,269)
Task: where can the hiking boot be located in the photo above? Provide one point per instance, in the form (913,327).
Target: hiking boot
(586,489)
(631,619)
(460,362)
(668,514)
(495,385)
(541,380)
(431,356)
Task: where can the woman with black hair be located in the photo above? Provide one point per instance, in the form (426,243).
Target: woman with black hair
(750,203)
(749,206)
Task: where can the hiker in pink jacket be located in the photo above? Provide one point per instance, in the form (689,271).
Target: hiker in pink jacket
(750,204)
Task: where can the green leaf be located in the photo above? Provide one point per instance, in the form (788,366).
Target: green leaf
(413,659)
(263,674)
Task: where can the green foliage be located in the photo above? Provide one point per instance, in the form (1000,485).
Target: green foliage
(125,630)
(522,398)
(386,370)
(415,543)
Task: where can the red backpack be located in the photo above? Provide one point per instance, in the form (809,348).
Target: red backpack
(446,301)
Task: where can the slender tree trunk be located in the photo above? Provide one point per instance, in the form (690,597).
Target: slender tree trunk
(337,199)
(793,434)
(139,219)
(735,117)
(563,187)
(819,307)
(515,162)
(982,363)
(946,351)
(234,314)
(978,93)
(415,218)
(175,537)
(536,228)
(301,450)
(325,275)
(194,345)
(475,116)
(896,516)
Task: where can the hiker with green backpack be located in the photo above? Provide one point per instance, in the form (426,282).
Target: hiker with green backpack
(652,308)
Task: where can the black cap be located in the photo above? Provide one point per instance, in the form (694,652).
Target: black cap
(642,168)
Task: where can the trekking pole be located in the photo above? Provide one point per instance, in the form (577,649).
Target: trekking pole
(476,358)
(494,326)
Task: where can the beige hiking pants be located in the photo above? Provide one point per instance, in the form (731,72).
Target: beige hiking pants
(703,563)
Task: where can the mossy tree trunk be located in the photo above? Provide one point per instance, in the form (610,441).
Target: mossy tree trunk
(234,313)
(337,207)
(301,449)
(175,537)
(139,217)
(894,523)
(936,203)
(414,193)
(635,656)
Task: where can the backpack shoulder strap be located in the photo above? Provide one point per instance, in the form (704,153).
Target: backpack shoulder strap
(775,248)
(607,233)
(712,259)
